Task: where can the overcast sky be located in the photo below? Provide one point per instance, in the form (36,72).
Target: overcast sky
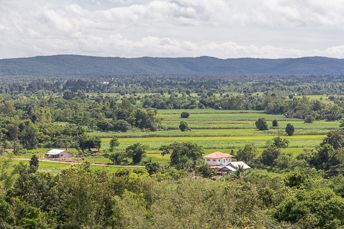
(169,28)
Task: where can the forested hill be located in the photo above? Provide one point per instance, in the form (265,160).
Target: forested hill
(198,66)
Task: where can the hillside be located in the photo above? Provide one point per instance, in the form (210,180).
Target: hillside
(198,66)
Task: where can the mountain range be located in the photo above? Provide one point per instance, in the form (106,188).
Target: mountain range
(197,66)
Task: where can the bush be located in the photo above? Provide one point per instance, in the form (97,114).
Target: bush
(335,139)
(295,179)
(184,115)
(280,142)
(320,208)
(136,152)
(247,153)
(261,124)
(269,155)
(183,126)
(121,126)
(309,119)
(290,129)
(205,171)
(275,123)
(152,167)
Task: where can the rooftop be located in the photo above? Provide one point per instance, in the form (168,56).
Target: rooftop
(217,155)
(55,151)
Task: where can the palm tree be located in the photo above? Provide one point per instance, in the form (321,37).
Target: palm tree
(240,171)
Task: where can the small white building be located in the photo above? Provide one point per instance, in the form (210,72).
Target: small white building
(58,153)
(218,159)
(233,166)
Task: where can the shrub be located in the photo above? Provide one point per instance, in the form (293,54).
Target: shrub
(247,153)
(269,155)
(290,129)
(280,142)
(184,115)
(309,119)
(121,126)
(275,123)
(183,126)
(261,124)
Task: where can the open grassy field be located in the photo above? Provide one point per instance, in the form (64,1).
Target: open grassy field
(214,130)
(222,129)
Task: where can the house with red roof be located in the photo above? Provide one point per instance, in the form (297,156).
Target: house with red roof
(222,162)
(218,159)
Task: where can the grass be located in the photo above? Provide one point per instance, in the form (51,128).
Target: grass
(214,130)
(225,142)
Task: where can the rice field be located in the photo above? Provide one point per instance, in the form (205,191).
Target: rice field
(214,130)
(221,129)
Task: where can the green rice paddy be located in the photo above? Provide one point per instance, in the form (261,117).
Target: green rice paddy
(214,130)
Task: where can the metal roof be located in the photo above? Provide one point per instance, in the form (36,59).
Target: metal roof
(55,151)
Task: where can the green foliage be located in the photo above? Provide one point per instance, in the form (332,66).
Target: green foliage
(324,157)
(205,171)
(320,208)
(114,142)
(118,158)
(183,155)
(136,152)
(28,134)
(290,129)
(337,184)
(261,124)
(309,119)
(185,114)
(296,179)
(275,123)
(34,163)
(280,142)
(121,125)
(282,193)
(152,167)
(88,142)
(335,139)
(269,155)
(183,126)
(247,153)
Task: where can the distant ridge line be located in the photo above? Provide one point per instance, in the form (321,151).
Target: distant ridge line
(196,66)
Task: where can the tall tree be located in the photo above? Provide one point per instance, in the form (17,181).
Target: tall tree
(290,129)
(261,124)
(136,152)
(183,155)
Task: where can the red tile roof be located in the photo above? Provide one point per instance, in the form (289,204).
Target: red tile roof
(217,155)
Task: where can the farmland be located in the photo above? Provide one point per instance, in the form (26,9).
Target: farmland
(214,130)
(220,130)
(129,150)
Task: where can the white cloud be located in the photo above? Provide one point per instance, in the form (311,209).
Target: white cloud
(223,28)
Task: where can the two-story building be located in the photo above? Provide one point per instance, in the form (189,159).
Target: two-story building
(222,162)
(218,159)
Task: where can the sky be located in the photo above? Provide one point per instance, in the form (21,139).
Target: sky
(172,28)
